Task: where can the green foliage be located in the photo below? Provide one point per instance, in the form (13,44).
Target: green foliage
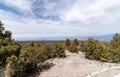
(115,42)
(89,47)
(96,50)
(76,42)
(7,51)
(8,34)
(59,50)
(31,55)
(67,43)
(115,48)
(107,52)
(73,48)
(13,68)
(115,55)
(102,53)
(8,46)
(22,60)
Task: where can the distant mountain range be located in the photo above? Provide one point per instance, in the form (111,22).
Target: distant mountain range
(101,38)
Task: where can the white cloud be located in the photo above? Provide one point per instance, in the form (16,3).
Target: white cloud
(7,15)
(84,10)
(24,5)
(77,18)
(51,7)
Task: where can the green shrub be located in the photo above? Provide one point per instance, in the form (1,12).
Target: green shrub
(13,68)
(102,53)
(89,48)
(73,48)
(67,43)
(8,46)
(76,42)
(59,50)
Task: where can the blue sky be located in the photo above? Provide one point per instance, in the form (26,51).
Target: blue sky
(29,19)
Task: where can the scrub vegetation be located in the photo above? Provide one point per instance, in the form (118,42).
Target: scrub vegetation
(20,60)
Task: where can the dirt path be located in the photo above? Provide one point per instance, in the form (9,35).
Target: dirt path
(75,65)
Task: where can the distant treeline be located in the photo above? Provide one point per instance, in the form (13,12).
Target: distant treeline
(42,42)
(21,59)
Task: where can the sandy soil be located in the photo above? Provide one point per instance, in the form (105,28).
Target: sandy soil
(75,65)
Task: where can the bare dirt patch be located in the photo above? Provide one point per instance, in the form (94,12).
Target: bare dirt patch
(75,65)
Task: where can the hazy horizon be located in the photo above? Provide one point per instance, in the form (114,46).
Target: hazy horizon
(63,38)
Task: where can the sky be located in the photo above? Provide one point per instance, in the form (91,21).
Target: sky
(35,19)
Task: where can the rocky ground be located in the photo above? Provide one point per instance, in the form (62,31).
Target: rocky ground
(75,65)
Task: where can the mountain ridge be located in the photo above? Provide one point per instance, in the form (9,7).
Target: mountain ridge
(107,37)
